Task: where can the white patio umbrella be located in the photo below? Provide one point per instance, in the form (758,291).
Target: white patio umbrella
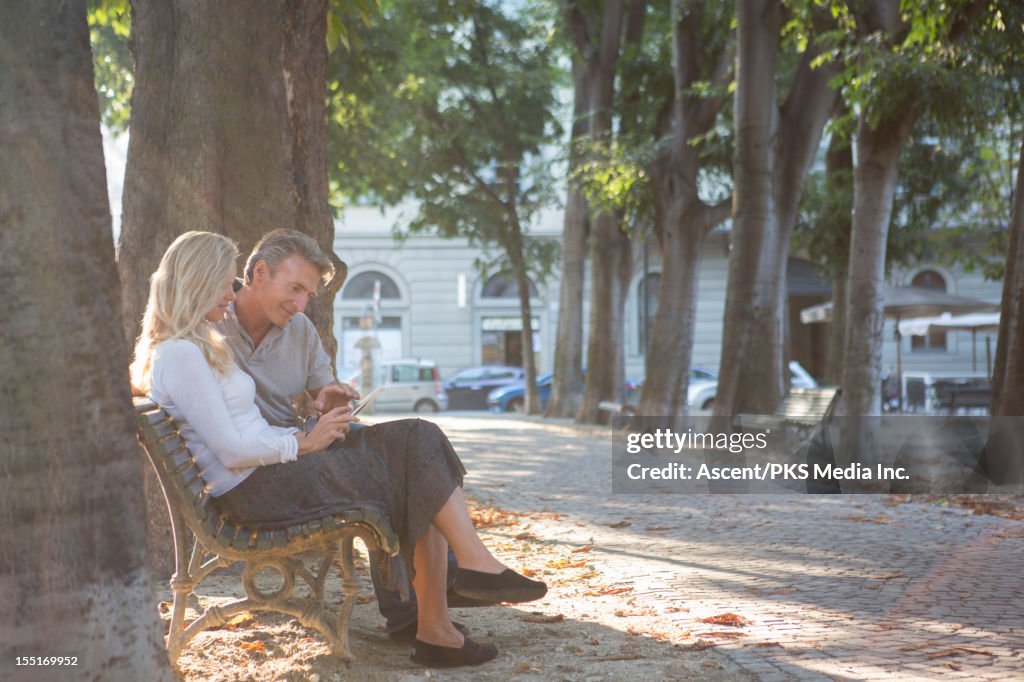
(974,323)
(901,302)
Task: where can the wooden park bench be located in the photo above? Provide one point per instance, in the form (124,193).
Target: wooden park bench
(802,408)
(217,541)
(953,395)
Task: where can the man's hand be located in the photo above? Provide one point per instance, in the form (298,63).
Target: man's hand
(331,426)
(333,396)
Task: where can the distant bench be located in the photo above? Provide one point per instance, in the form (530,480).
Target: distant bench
(218,541)
(952,395)
(802,408)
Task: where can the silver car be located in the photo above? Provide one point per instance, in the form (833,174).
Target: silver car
(408,385)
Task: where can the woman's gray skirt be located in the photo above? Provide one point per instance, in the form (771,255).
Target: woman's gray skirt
(406,469)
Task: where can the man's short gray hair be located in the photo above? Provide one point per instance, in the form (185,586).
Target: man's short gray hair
(279,244)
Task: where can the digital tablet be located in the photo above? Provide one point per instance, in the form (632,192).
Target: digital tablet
(366,400)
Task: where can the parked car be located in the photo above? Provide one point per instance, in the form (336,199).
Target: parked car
(408,385)
(468,388)
(701,392)
(512,397)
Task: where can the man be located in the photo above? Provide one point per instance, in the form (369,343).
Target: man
(278,346)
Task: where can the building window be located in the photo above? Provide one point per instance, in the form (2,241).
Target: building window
(503,285)
(646,306)
(934,341)
(360,287)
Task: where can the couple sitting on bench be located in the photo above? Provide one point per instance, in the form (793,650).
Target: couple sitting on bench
(224,367)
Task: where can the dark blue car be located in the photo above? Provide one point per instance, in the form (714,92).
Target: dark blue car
(512,398)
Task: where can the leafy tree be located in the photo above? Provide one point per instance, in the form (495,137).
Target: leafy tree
(777,138)
(901,65)
(590,38)
(663,167)
(935,214)
(72,534)
(454,106)
(109,34)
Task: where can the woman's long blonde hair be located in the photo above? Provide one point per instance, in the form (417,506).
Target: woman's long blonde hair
(186,286)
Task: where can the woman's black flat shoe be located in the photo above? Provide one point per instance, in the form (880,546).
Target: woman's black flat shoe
(470,653)
(408,633)
(507,586)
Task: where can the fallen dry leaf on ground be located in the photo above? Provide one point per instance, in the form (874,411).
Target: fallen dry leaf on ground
(565,563)
(253,647)
(584,548)
(525,536)
(732,619)
(556,618)
(486,517)
(602,591)
(242,620)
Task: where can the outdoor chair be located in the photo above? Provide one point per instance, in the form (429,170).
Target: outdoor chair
(217,542)
(802,408)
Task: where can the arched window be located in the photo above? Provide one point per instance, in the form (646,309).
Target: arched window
(646,305)
(360,287)
(503,285)
(934,341)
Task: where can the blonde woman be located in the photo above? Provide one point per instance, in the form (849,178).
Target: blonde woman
(275,476)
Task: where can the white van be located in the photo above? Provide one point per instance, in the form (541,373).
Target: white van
(409,385)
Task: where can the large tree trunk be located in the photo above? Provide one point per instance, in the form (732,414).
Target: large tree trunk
(786,141)
(227,135)
(611,268)
(837,211)
(671,348)
(73,571)
(754,214)
(1005,448)
(567,385)
(683,220)
(610,249)
(878,158)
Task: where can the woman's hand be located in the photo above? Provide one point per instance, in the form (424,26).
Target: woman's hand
(331,426)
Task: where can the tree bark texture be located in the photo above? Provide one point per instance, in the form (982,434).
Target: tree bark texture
(878,158)
(73,569)
(838,177)
(784,143)
(609,249)
(1008,375)
(682,219)
(1005,448)
(567,385)
(755,220)
(227,135)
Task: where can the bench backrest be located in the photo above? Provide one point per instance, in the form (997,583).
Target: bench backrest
(808,405)
(186,495)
